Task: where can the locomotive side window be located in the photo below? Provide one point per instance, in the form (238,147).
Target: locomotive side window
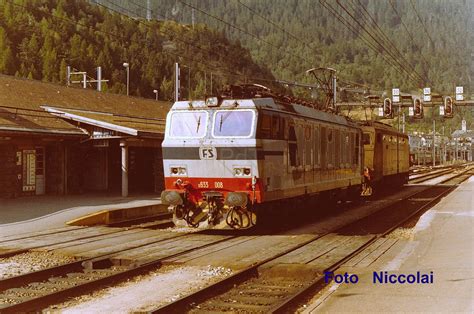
(330,148)
(233,123)
(337,149)
(308,149)
(357,150)
(323,147)
(265,126)
(277,127)
(316,147)
(345,151)
(292,147)
(352,158)
(188,124)
(300,143)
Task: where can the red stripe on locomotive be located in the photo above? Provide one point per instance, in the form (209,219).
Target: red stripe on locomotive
(196,186)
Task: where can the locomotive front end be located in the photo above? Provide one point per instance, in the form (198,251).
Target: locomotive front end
(210,163)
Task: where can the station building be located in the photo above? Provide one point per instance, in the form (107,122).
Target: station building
(59,140)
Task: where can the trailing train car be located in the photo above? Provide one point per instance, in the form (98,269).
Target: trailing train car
(226,157)
(386,154)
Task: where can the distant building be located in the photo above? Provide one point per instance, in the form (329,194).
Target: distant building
(461,144)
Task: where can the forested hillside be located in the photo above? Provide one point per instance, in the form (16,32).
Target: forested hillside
(39,38)
(309,35)
(291,36)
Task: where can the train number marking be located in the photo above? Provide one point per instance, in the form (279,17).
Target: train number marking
(218,185)
(203,185)
(207,153)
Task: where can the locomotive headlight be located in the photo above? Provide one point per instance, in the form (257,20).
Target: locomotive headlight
(178,171)
(212,101)
(242,171)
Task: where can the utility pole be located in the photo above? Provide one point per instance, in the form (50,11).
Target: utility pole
(148,10)
(189,83)
(192,16)
(398,118)
(177,84)
(127,67)
(99,79)
(403,123)
(70,72)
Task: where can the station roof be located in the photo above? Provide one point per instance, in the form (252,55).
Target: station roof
(23,105)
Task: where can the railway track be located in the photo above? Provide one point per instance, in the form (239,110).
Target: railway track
(279,283)
(40,289)
(425,177)
(460,177)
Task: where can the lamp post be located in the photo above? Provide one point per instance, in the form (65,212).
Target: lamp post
(156,94)
(127,67)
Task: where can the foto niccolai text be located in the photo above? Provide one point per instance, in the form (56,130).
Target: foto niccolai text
(382,277)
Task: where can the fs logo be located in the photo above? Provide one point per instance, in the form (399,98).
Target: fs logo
(207,153)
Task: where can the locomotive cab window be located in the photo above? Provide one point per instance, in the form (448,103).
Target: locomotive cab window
(233,123)
(277,127)
(188,124)
(264,126)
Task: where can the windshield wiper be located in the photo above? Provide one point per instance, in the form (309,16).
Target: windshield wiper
(220,124)
(198,124)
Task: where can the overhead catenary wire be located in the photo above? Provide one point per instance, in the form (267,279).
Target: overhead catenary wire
(385,38)
(215,70)
(286,82)
(212,67)
(406,29)
(381,45)
(379,48)
(280,81)
(279,48)
(341,19)
(422,23)
(269,21)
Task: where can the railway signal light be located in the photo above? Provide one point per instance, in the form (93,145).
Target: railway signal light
(417,108)
(448,107)
(387,108)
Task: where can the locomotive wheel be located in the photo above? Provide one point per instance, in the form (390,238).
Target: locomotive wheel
(240,218)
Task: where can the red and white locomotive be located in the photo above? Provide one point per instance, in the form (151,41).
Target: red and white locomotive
(224,157)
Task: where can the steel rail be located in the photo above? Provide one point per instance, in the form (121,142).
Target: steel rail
(290,302)
(466,174)
(44,301)
(184,303)
(61,270)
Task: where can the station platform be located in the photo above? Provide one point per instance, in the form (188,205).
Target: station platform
(442,242)
(36,213)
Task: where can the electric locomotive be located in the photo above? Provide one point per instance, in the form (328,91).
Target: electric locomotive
(225,157)
(386,154)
